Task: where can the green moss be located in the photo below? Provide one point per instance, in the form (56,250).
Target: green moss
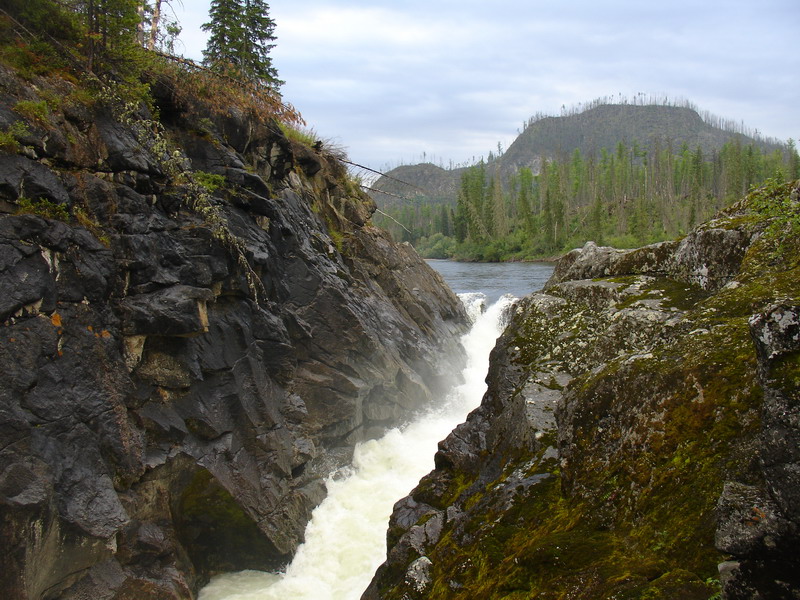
(216,532)
(784,374)
(675,584)
(205,500)
(669,292)
(442,490)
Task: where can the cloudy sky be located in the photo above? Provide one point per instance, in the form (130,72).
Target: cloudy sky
(394,82)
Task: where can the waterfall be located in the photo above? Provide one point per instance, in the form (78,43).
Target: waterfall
(346,537)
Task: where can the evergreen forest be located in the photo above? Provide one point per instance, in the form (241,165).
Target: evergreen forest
(625,196)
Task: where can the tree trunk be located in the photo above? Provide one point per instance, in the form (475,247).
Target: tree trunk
(151,43)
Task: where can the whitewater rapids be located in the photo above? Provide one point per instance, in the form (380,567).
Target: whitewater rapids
(345,540)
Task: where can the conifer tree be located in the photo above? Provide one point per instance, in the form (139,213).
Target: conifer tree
(794,160)
(241,39)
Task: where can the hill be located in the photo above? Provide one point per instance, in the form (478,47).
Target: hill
(626,174)
(589,131)
(607,125)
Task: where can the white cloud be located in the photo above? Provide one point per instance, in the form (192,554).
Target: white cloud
(452,78)
(351,28)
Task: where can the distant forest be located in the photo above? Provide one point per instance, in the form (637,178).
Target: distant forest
(625,196)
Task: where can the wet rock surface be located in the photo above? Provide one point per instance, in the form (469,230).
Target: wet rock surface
(638,437)
(182,364)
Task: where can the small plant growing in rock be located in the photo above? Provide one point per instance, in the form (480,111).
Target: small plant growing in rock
(210,181)
(36,111)
(43,208)
(9,139)
(304,136)
(92,224)
(205,127)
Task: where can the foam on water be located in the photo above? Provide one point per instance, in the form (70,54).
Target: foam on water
(346,537)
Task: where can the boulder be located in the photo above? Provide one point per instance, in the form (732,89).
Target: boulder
(638,437)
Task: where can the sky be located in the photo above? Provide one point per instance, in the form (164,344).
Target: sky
(447,81)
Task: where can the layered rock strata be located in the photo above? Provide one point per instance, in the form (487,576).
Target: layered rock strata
(639,436)
(197,323)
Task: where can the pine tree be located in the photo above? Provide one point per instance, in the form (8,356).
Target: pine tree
(241,39)
(793,161)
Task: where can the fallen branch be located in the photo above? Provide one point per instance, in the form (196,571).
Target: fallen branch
(384,175)
(393,219)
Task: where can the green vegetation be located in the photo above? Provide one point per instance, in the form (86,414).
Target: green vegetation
(102,49)
(36,111)
(776,201)
(306,137)
(241,33)
(210,181)
(9,139)
(626,198)
(43,208)
(101,41)
(648,436)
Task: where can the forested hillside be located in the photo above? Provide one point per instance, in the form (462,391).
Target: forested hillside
(564,181)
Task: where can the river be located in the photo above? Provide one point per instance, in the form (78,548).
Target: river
(346,537)
(493,279)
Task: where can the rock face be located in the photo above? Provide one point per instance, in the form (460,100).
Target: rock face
(198,324)
(639,436)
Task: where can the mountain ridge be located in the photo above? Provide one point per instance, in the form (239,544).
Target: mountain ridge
(589,131)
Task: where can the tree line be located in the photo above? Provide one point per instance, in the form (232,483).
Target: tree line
(626,196)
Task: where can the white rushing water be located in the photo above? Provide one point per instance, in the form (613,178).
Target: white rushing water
(346,537)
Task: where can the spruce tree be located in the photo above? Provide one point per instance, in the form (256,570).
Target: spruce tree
(259,31)
(241,40)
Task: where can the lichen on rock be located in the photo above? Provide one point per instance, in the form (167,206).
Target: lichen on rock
(639,434)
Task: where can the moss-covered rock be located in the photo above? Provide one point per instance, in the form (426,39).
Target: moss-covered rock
(639,435)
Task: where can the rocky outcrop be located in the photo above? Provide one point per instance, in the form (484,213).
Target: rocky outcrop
(639,435)
(198,324)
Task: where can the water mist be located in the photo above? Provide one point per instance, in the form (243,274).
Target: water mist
(345,540)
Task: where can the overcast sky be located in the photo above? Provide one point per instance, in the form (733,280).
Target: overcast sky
(391,80)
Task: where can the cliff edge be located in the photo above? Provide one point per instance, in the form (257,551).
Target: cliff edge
(639,437)
(197,323)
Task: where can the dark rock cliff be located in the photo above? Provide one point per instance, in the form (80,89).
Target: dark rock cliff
(639,437)
(198,324)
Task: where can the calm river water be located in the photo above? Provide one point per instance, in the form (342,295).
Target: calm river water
(494,279)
